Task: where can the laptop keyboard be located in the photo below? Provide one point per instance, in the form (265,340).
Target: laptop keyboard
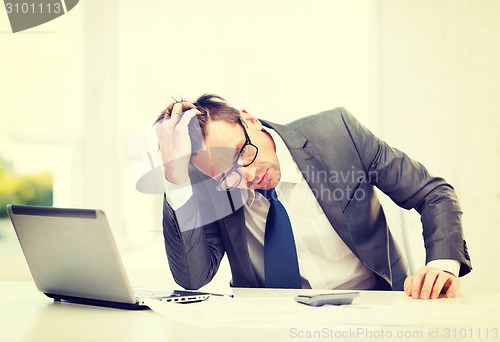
(152,294)
(171,296)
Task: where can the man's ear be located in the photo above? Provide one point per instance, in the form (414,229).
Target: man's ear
(251,120)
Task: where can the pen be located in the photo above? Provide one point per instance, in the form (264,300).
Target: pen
(222,295)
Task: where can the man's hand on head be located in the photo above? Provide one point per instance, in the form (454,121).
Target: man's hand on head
(175,143)
(430,282)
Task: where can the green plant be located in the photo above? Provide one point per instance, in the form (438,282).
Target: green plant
(23,189)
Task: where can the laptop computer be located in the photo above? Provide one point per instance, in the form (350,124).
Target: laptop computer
(73,257)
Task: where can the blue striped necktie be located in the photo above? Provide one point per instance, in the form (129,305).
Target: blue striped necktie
(281,266)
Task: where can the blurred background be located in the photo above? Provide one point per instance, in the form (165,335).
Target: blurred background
(421,74)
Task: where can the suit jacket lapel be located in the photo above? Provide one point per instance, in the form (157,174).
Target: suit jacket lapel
(238,246)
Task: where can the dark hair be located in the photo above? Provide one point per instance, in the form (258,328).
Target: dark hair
(212,108)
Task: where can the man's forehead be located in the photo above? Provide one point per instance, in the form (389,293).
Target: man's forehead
(223,134)
(220,149)
(214,161)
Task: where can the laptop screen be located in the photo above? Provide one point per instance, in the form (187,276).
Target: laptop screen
(71,252)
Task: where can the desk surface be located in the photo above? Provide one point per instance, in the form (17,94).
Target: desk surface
(253,315)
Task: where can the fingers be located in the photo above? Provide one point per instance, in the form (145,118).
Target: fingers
(429,282)
(175,143)
(179,108)
(430,277)
(407,285)
(187,116)
(417,282)
(440,283)
(452,290)
(181,115)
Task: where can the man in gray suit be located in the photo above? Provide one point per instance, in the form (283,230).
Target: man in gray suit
(323,169)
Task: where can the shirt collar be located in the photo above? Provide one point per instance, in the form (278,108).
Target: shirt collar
(290,173)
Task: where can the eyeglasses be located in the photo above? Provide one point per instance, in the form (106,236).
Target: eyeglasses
(248,152)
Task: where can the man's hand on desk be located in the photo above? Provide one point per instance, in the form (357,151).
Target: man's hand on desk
(429,282)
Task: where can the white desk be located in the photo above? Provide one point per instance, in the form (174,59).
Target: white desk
(253,315)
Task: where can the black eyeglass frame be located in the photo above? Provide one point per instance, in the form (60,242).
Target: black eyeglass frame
(236,165)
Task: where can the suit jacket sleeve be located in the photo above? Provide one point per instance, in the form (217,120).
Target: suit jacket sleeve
(192,240)
(409,184)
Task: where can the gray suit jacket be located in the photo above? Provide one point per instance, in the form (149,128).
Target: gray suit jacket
(342,161)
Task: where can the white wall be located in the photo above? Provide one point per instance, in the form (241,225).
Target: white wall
(440,80)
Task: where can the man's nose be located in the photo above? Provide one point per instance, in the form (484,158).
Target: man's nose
(248,172)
